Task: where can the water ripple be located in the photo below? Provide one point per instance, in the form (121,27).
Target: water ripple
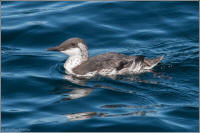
(37,94)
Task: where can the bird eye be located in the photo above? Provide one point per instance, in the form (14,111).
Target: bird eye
(73,44)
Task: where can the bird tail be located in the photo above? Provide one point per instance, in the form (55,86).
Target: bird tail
(150,63)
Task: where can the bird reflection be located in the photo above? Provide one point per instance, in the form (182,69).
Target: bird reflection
(75,80)
(76,93)
(147,110)
(80,116)
(71,92)
(88,115)
(84,90)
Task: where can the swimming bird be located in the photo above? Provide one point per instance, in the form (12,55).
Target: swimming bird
(107,64)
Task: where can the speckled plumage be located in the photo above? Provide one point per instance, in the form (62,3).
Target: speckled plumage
(106,64)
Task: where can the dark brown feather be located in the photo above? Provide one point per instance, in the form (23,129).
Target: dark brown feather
(104,61)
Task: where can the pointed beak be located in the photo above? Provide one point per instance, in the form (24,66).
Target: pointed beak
(53,49)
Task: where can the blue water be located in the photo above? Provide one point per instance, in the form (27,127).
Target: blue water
(36,96)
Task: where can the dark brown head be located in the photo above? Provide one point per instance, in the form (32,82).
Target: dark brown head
(72,46)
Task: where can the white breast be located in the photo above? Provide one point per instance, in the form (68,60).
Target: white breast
(71,63)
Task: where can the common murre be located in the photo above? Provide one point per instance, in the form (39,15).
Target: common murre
(80,65)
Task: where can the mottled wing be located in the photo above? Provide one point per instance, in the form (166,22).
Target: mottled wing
(104,61)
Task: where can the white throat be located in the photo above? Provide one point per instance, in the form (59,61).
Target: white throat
(76,57)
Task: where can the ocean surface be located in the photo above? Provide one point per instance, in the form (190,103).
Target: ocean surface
(37,96)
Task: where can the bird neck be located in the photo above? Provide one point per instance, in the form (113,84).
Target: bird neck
(74,61)
(84,50)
